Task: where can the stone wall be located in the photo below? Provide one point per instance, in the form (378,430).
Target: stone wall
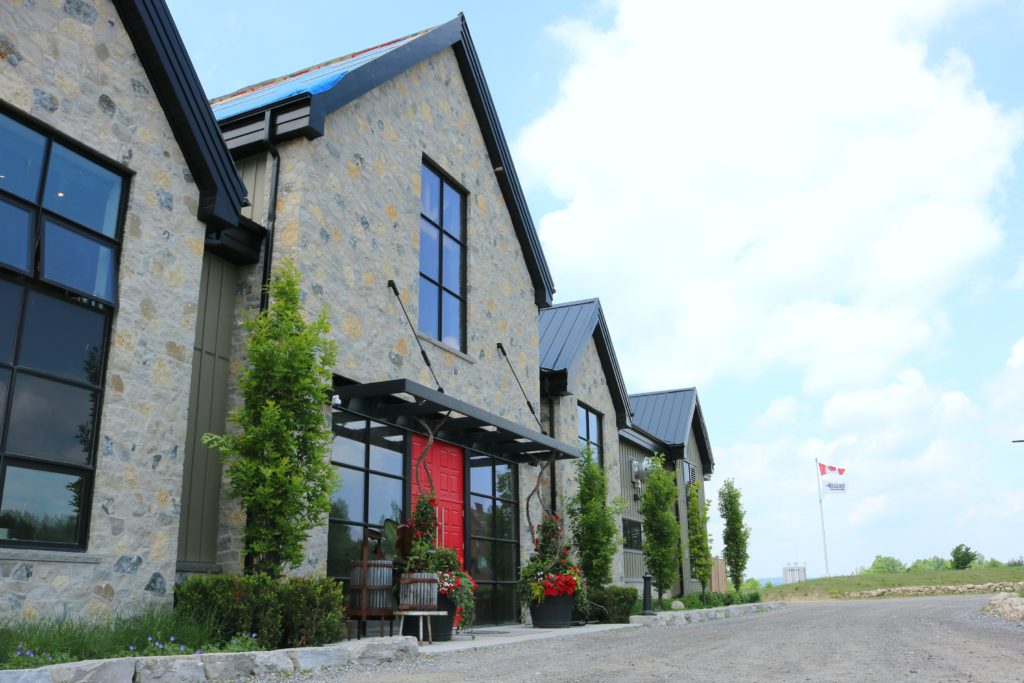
(70,64)
(348,215)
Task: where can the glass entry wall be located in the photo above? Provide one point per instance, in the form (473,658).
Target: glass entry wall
(369,458)
(493,558)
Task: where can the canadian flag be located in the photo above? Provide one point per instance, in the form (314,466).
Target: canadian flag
(828,469)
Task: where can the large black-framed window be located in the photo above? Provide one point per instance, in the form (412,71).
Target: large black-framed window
(493,558)
(369,458)
(61,213)
(589,432)
(442,283)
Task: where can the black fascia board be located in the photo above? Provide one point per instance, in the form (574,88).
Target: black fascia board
(644,440)
(174,80)
(701,431)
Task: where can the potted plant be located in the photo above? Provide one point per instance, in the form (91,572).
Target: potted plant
(550,581)
(455,594)
(418,583)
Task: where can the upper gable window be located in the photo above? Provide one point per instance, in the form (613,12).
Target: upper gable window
(442,285)
(589,432)
(60,218)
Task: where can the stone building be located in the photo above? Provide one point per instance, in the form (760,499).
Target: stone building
(385,177)
(130,251)
(113,184)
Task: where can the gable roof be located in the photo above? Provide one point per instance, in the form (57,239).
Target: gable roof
(173,78)
(297,104)
(565,330)
(669,415)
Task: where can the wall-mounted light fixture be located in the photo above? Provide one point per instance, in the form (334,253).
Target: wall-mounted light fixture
(638,470)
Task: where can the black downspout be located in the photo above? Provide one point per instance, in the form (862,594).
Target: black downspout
(268,250)
(551,431)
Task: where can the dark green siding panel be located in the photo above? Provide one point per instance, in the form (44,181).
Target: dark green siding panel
(200,496)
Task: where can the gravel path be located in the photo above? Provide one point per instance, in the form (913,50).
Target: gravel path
(910,639)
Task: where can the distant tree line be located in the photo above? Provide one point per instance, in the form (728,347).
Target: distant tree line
(961,557)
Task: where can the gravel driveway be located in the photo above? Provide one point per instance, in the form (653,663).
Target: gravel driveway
(909,639)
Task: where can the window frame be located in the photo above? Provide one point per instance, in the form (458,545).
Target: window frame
(445,180)
(586,439)
(512,502)
(32,281)
(366,471)
(626,535)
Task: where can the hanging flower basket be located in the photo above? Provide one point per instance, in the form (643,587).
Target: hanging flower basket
(417,591)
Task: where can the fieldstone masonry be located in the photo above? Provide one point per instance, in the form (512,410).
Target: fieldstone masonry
(348,215)
(71,65)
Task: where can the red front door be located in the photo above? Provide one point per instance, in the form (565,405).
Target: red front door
(444,461)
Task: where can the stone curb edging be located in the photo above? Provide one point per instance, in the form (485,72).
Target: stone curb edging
(1006,605)
(217,666)
(963,589)
(699,616)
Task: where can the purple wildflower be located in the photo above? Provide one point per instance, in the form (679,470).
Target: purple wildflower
(131,648)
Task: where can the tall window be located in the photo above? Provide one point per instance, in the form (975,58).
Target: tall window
(589,432)
(60,224)
(442,301)
(370,460)
(494,538)
(632,534)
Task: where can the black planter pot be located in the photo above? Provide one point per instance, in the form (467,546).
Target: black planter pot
(554,612)
(441,627)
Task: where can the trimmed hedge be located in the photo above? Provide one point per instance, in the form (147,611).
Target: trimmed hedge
(695,601)
(288,612)
(614,604)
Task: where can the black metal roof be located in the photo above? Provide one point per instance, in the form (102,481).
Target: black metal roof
(565,330)
(302,113)
(403,403)
(176,85)
(669,415)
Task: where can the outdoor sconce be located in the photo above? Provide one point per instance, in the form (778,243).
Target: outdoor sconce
(638,470)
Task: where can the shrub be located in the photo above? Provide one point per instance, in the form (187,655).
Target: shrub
(752,585)
(592,522)
(287,612)
(934,563)
(612,604)
(1015,561)
(884,564)
(751,597)
(963,556)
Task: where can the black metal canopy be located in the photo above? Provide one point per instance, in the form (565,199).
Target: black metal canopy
(404,403)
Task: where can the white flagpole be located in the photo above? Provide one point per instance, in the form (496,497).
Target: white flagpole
(821,509)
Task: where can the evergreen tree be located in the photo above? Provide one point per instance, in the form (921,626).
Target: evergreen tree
(700,546)
(276,463)
(736,534)
(592,522)
(661,528)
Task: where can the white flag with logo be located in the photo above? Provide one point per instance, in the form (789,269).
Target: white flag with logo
(833,486)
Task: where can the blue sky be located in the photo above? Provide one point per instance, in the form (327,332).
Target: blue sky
(812,213)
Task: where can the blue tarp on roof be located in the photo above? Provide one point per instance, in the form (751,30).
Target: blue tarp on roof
(312,80)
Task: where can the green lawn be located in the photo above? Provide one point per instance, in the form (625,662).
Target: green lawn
(836,586)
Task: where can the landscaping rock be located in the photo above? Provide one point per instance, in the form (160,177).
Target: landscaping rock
(273,662)
(94,671)
(175,669)
(228,666)
(965,589)
(1007,605)
(699,616)
(381,649)
(677,604)
(27,676)
(307,658)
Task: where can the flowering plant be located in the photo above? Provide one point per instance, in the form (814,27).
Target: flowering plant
(455,583)
(423,524)
(550,572)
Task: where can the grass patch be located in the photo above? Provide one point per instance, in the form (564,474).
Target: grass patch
(836,586)
(154,631)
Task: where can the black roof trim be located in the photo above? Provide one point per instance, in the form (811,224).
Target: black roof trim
(590,323)
(453,34)
(171,74)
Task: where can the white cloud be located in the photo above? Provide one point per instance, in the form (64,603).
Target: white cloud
(772,185)
(781,411)
(908,398)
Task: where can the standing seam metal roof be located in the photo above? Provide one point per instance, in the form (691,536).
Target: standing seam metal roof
(665,414)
